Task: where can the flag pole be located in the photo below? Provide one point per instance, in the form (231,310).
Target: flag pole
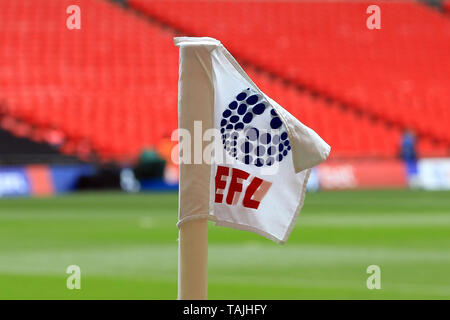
(195,116)
(193,260)
(208,81)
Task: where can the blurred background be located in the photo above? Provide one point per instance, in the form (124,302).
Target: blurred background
(86,117)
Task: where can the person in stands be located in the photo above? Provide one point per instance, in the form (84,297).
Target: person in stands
(409,156)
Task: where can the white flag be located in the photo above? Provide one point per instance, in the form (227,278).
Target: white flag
(263,156)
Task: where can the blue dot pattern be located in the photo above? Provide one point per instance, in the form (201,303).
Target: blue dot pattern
(259,147)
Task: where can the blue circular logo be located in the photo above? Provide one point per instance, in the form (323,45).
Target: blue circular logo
(252,132)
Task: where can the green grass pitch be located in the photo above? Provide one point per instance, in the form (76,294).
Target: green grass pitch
(126,247)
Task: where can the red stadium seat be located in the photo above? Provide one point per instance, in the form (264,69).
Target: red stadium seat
(111,87)
(113,83)
(398,73)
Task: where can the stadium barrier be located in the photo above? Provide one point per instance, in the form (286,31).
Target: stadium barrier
(47,180)
(41,180)
(434,174)
(362,174)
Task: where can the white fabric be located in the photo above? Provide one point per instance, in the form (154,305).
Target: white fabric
(284,173)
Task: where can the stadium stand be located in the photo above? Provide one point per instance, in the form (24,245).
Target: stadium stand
(398,74)
(351,135)
(15,150)
(111,85)
(111,88)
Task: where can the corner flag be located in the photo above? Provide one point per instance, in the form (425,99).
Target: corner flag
(255,178)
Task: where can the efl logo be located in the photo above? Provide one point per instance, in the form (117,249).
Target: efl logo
(252,131)
(253,194)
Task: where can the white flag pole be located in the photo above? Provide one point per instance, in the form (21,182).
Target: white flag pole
(195,115)
(193,260)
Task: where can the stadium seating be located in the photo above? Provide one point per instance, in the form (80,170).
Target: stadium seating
(398,73)
(111,87)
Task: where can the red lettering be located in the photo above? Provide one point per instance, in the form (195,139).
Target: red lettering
(248,201)
(235,185)
(220,184)
(255,193)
